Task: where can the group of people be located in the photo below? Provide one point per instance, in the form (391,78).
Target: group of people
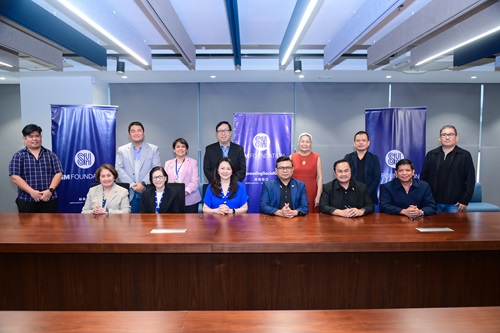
(446,183)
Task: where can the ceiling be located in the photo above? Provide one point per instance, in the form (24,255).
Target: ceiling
(262,26)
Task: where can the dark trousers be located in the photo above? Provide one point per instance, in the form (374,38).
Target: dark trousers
(192,209)
(36,207)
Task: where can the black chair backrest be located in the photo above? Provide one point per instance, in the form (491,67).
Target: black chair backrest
(124,185)
(181,190)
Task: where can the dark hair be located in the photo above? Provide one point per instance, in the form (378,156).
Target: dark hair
(341,161)
(216,187)
(448,126)
(181,141)
(157,168)
(404,161)
(107,167)
(135,123)
(28,129)
(283,158)
(361,132)
(222,123)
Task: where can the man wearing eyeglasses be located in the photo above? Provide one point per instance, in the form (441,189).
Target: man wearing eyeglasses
(284,196)
(224,148)
(449,170)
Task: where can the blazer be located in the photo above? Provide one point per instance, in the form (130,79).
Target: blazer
(372,172)
(460,177)
(333,192)
(271,192)
(393,197)
(189,175)
(150,157)
(116,203)
(172,201)
(213,154)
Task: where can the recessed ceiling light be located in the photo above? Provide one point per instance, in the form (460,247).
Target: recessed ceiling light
(388,77)
(2,78)
(301,76)
(213,76)
(124,76)
(473,77)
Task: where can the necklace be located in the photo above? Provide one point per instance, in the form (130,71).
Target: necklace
(303,158)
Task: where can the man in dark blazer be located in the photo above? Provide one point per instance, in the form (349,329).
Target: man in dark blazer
(224,148)
(344,196)
(284,196)
(365,166)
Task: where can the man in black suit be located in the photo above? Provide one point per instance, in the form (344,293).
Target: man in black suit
(224,148)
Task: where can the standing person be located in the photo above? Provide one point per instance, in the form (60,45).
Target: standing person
(345,196)
(225,195)
(406,195)
(160,198)
(449,170)
(107,197)
(365,166)
(224,148)
(284,196)
(183,169)
(134,161)
(309,171)
(36,171)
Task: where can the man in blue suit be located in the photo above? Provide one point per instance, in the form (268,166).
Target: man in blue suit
(284,196)
(134,161)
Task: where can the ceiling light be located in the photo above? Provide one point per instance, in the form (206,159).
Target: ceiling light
(120,67)
(2,78)
(439,54)
(295,30)
(297,66)
(103,31)
(5,64)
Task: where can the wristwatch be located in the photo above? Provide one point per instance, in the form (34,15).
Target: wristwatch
(51,190)
(143,183)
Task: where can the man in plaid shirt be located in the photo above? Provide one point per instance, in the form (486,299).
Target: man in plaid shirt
(37,172)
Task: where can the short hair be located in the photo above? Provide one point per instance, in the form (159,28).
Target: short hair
(157,168)
(182,141)
(107,167)
(404,161)
(361,132)
(28,129)
(283,158)
(341,161)
(448,126)
(305,134)
(135,123)
(222,123)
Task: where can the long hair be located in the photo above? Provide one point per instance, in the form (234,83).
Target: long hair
(216,187)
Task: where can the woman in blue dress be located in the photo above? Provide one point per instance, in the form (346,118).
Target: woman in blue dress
(225,195)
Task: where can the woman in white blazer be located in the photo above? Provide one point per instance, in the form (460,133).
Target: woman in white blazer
(107,197)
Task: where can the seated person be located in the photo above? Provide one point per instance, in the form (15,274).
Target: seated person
(344,196)
(225,195)
(284,196)
(406,195)
(107,197)
(159,198)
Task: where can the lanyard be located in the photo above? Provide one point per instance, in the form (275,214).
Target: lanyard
(159,198)
(178,169)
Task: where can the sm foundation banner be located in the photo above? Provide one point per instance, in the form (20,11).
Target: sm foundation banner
(264,137)
(397,133)
(84,138)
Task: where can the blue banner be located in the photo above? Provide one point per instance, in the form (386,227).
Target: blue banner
(264,137)
(397,133)
(83,137)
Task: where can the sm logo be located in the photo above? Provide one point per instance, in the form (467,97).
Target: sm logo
(84,159)
(261,141)
(392,157)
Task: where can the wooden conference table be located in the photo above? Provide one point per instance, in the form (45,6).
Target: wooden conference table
(442,320)
(247,262)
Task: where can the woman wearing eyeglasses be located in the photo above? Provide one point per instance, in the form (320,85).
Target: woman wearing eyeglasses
(183,169)
(159,198)
(225,195)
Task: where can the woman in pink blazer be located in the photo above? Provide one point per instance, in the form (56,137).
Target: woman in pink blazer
(183,169)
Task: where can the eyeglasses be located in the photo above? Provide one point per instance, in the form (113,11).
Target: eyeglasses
(448,135)
(158,177)
(223,131)
(287,168)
